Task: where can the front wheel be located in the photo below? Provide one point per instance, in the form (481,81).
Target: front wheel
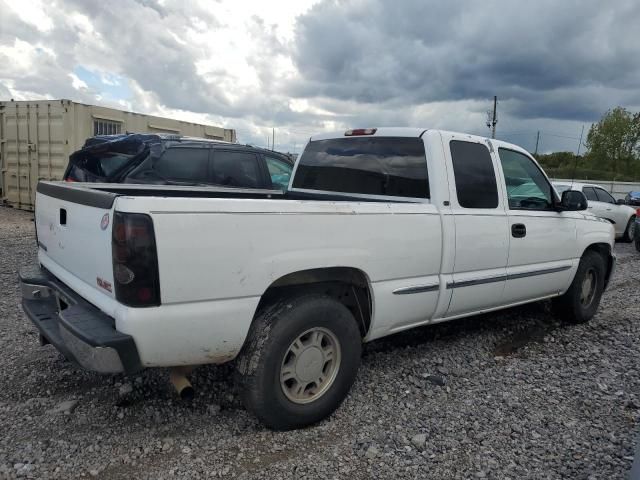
(580,302)
(300,360)
(629,232)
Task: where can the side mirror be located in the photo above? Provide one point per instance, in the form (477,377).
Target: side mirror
(620,201)
(573,201)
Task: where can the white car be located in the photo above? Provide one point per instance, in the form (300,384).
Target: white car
(380,230)
(603,205)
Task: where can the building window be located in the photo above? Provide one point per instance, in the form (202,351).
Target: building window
(106,127)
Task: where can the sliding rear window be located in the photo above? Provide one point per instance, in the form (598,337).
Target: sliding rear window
(387,166)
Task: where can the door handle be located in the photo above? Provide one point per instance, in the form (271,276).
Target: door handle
(518,230)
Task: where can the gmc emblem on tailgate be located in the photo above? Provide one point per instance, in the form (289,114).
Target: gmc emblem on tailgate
(104,284)
(104,223)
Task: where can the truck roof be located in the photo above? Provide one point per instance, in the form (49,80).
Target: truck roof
(408,132)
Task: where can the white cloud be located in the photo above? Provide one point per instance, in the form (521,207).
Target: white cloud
(77,83)
(32,12)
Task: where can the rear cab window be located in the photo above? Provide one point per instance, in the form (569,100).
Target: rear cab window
(377,166)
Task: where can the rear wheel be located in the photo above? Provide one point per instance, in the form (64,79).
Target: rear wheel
(580,303)
(299,362)
(629,233)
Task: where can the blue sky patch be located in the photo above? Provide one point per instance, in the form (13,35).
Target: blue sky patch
(108,85)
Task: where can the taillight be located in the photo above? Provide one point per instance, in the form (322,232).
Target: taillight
(135,260)
(360,131)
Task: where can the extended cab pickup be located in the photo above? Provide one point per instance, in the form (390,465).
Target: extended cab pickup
(381,230)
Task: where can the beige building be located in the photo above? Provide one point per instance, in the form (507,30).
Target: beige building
(37,137)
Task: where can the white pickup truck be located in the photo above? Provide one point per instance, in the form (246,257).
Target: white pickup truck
(381,230)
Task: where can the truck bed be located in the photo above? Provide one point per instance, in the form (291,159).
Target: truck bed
(79,192)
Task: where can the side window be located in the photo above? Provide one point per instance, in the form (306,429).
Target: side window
(476,184)
(236,169)
(590,193)
(604,196)
(279,171)
(527,187)
(184,164)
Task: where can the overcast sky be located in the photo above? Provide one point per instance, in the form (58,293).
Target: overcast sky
(305,66)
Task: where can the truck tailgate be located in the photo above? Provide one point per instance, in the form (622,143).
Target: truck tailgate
(73,226)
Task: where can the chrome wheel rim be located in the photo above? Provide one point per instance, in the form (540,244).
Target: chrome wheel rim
(588,288)
(310,365)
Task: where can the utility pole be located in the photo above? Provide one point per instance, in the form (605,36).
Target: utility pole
(537,141)
(273,138)
(580,143)
(492,117)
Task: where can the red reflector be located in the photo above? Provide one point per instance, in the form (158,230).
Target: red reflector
(144,294)
(71,180)
(360,131)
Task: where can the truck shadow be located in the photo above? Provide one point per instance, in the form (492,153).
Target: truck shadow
(512,329)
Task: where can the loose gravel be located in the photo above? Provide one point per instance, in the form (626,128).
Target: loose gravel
(509,395)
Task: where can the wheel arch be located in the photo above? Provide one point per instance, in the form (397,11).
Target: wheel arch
(604,250)
(348,285)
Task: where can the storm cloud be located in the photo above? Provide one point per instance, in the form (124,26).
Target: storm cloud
(548,57)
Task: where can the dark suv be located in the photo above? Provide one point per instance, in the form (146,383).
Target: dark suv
(164,159)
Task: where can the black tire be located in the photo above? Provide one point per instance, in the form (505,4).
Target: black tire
(637,242)
(574,306)
(627,236)
(270,338)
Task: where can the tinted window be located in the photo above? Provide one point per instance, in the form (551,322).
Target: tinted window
(590,193)
(527,187)
(184,164)
(279,171)
(476,184)
(604,196)
(392,166)
(236,169)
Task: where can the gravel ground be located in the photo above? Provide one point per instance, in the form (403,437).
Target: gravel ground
(510,395)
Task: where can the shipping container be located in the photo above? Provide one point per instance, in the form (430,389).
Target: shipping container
(37,137)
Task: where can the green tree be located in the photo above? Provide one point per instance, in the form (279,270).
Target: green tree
(615,141)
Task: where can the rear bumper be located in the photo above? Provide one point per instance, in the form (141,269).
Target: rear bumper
(80,331)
